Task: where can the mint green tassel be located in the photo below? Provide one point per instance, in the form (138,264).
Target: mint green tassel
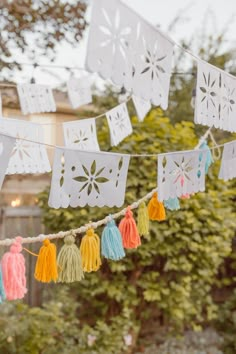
(69,262)
(2,290)
(112,247)
(172,204)
(209,158)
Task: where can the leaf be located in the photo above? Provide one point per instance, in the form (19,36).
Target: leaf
(80,179)
(61,181)
(85,170)
(102,180)
(93,168)
(100,171)
(90,188)
(203,89)
(145,70)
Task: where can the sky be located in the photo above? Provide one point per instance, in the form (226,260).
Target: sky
(214,15)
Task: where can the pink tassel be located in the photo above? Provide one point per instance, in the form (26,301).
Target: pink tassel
(13,271)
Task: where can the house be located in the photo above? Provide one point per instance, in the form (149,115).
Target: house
(19,213)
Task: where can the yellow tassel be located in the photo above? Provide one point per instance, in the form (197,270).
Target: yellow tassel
(46,265)
(143,220)
(90,251)
(156,210)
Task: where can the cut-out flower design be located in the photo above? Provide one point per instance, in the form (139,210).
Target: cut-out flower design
(21,147)
(115,36)
(228,99)
(208,90)
(81,139)
(153,62)
(91,179)
(119,120)
(182,172)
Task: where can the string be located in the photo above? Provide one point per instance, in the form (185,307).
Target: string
(110,152)
(94,225)
(82,229)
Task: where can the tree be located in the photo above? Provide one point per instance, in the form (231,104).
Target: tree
(36,27)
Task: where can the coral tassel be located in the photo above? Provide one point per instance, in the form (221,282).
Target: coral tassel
(129,231)
(90,251)
(156,210)
(143,219)
(69,261)
(46,265)
(13,271)
(2,290)
(112,247)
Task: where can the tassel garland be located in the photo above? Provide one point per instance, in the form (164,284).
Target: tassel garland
(90,251)
(46,265)
(129,230)
(13,271)
(172,204)
(2,290)
(112,247)
(156,210)
(143,220)
(69,262)
(209,158)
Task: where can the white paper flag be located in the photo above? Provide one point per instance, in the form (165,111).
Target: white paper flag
(26,157)
(6,147)
(215,104)
(181,173)
(81,134)
(228,162)
(79,91)
(36,98)
(83,178)
(124,48)
(142,107)
(119,124)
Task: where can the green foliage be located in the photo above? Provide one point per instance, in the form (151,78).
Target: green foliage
(226,323)
(170,277)
(54,329)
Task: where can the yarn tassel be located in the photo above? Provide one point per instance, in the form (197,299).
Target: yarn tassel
(143,219)
(90,251)
(13,271)
(69,262)
(172,204)
(112,247)
(129,230)
(209,158)
(46,265)
(2,290)
(156,210)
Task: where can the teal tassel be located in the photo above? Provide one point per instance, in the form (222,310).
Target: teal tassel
(112,247)
(209,158)
(2,290)
(172,204)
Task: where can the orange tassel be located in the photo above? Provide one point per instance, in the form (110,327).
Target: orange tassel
(129,231)
(46,265)
(156,209)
